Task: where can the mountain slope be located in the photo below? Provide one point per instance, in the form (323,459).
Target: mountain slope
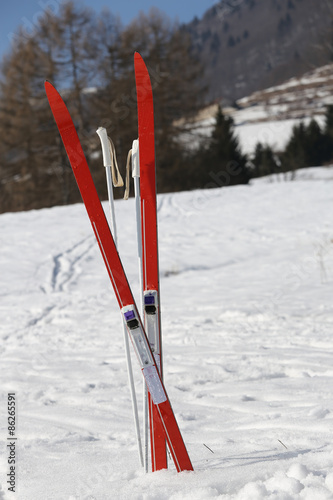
(246,45)
(268,115)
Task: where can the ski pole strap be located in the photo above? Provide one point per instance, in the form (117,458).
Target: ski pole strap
(116,177)
(127,181)
(110,157)
(132,158)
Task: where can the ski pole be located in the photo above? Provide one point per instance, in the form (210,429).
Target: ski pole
(108,161)
(136,177)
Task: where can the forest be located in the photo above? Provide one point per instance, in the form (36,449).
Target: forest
(89,58)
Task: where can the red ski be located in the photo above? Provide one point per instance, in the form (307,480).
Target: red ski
(118,278)
(150,269)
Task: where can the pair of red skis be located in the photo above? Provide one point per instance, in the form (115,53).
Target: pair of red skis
(163,425)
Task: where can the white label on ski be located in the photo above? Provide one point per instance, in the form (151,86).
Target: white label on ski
(150,298)
(154,384)
(138,336)
(158,361)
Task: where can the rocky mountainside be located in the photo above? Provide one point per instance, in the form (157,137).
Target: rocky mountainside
(297,98)
(247,45)
(268,115)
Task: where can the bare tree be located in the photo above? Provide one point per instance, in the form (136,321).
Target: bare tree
(90,59)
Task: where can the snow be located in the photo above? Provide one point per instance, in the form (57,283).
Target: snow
(247,319)
(318,75)
(268,116)
(275,133)
(250,128)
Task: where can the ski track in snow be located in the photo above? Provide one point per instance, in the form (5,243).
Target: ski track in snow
(65,264)
(247,321)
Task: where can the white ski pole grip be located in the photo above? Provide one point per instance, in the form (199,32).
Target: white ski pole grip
(135,159)
(102,133)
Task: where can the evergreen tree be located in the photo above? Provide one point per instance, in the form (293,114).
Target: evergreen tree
(307,147)
(264,161)
(316,145)
(222,162)
(294,155)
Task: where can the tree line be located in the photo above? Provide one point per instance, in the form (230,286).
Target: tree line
(89,57)
(309,145)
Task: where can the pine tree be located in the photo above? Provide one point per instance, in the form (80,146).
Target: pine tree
(308,146)
(222,162)
(294,155)
(315,147)
(264,161)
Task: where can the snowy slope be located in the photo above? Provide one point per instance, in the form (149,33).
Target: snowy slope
(273,132)
(247,317)
(268,116)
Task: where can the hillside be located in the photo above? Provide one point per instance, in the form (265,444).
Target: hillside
(303,97)
(269,115)
(246,45)
(246,288)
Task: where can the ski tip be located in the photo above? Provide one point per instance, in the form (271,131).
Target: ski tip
(48,86)
(139,63)
(51,92)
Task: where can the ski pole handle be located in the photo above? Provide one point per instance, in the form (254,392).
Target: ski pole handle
(109,157)
(102,133)
(135,159)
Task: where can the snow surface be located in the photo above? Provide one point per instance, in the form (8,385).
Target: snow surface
(268,116)
(275,133)
(247,317)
